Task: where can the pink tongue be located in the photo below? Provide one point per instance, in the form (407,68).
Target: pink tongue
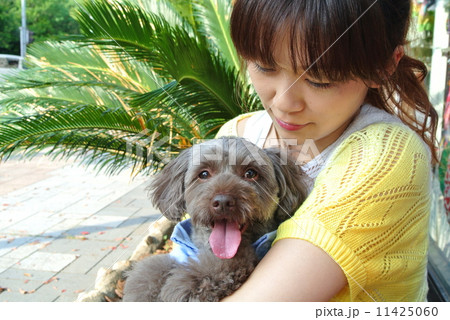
(225,239)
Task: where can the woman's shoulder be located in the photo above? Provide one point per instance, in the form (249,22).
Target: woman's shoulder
(236,126)
(384,141)
(384,155)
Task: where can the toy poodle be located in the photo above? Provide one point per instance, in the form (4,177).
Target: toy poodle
(236,195)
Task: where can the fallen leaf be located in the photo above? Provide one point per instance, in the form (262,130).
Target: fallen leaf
(119,287)
(101,232)
(63,290)
(27,275)
(123,246)
(84,232)
(75,237)
(79,291)
(75,249)
(26,292)
(50,280)
(26,281)
(45,245)
(108,299)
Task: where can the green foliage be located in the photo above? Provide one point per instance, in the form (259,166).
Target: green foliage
(47,19)
(143,81)
(9,27)
(50,19)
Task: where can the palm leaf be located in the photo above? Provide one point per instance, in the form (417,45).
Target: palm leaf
(146,79)
(96,133)
(174,54)
(212,17)
(122,27)
(93,62)
(176,12)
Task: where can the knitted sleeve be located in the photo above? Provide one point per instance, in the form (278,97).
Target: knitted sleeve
(369,211)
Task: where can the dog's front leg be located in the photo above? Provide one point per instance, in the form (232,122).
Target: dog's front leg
(209,278)
(145,280)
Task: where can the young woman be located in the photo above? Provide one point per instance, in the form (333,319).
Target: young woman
(333,77)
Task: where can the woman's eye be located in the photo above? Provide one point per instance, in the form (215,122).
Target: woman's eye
(260,68)
(204,175)
(250,174)
(319,85)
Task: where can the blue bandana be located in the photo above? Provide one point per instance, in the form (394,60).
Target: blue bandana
(184,248)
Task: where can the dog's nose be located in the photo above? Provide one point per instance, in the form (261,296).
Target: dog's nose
(222,203)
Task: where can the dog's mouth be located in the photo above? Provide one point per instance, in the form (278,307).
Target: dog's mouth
(225,238)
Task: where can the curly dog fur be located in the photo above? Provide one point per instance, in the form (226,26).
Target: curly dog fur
(222,182)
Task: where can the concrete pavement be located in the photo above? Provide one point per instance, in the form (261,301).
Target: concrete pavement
(60,223)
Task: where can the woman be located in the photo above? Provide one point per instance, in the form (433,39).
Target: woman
(339,91)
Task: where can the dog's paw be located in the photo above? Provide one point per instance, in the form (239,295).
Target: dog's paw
(209,279)
(145,280)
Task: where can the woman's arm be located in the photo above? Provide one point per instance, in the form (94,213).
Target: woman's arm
(293,270)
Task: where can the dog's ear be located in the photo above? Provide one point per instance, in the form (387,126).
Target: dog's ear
(167,188)
(290,181)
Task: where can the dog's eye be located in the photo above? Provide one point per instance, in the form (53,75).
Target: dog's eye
(204,174)
(250,174)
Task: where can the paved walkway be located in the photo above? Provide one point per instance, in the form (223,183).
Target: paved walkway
(59,223)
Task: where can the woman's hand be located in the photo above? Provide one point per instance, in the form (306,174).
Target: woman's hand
(293,270)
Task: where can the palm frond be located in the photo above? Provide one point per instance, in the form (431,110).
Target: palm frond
(123,27)
(212,17)
(146,79)
(176,54)
(176,12)
(95,133)
(89,62)
(81,117)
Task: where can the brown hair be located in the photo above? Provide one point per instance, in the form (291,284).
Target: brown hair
(342,40)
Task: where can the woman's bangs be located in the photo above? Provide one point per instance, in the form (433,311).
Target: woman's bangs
(254,30)
(323,45)
(330,40)
(324,59)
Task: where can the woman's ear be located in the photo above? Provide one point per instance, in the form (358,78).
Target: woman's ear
(398,54)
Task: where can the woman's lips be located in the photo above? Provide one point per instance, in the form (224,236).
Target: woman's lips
(290,127)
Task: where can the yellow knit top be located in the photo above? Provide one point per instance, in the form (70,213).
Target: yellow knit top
(369,211)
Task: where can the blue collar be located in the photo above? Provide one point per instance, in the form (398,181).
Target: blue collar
(185,248)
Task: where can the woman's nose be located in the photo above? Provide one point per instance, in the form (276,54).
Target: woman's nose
(289,97)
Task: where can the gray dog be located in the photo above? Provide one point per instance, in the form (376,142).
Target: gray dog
(236,195)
